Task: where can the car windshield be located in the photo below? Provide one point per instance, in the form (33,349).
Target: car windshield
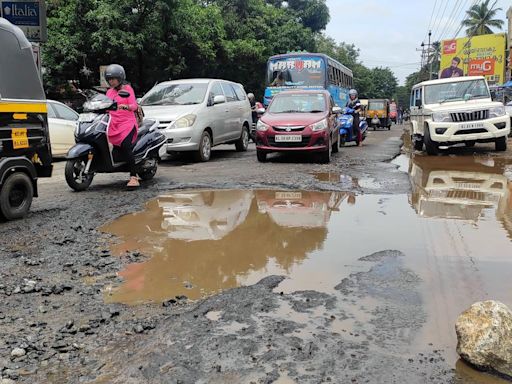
(457,90)
(175,94)
(298,103)
(379,105)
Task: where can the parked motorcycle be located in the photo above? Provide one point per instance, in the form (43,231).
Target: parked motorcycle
(93,153)
(345,121)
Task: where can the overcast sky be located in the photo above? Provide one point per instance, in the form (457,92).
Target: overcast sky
(388,33)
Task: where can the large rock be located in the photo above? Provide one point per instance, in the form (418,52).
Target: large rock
(484,334)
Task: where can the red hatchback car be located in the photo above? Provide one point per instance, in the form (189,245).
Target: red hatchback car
(299,120)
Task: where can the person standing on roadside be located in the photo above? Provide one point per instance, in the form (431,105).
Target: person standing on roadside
(122,132)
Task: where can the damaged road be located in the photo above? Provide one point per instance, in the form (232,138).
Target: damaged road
(347,287)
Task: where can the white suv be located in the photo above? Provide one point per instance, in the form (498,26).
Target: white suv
(197,114)
(457,110)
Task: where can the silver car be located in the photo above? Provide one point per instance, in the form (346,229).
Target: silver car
(197,114)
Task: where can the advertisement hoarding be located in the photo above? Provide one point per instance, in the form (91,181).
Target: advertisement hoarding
(476,56)
(29,16)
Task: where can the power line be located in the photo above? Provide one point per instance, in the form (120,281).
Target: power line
(451,19)
(430,22)
(441,18)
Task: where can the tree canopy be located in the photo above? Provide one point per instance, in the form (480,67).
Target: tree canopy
(157,40)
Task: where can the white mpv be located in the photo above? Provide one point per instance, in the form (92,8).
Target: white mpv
(197,114)
(458,110)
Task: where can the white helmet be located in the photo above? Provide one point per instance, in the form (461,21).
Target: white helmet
(250,96)
(352,92)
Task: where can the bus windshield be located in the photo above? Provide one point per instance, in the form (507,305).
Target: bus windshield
(296,72)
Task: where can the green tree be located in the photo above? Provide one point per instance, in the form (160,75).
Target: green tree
(384,83)
(480,18)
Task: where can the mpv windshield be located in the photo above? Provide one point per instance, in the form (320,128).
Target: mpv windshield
(460,90)
(175,94)
(298,103)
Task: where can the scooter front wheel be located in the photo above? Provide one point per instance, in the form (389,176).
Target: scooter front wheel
(75,174)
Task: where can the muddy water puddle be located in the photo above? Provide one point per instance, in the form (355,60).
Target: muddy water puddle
(454,230)
(345,181)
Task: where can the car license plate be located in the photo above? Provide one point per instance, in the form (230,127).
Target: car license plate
(19,138)
(463,185)
(288,195)
(288,138)
(472,125)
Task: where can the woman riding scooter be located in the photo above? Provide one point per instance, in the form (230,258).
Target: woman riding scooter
(355,104)
(123,128)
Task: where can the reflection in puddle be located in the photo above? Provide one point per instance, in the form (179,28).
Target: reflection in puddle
(336,177)
(212,245)
(458,187)
(455,230)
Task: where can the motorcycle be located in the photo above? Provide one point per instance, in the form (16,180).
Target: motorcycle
(93,153)
(345,121)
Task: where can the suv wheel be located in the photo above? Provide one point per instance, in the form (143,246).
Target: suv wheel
(205,148)
(243,142)
(501,144)
(431,146)
(418,143)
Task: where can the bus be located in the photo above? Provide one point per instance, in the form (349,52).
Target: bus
(305,70)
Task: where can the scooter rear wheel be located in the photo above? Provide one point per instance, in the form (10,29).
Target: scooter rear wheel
(74,173)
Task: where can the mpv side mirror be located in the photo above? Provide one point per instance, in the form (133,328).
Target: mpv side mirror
(219,99)
(336,110)
(124,94)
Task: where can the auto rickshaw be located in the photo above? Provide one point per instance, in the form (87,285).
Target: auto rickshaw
(378,114)
(25,152)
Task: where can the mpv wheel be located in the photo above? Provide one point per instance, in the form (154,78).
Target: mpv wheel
(205,147)
(243,142)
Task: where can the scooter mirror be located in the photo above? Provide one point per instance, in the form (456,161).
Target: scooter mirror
(336,110)
(124,94)
(261,111)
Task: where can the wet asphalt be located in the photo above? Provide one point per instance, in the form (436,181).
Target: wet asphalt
(381,317)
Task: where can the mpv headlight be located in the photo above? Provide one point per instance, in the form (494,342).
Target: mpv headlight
(441,117)
(261,126)
(497,111)
(320,126)
(184,122)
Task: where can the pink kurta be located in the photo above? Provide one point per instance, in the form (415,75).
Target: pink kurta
(123,121)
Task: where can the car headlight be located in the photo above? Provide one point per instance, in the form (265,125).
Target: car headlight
(497,111)
(184,122)
(441,117)
(320,126)
(261,126)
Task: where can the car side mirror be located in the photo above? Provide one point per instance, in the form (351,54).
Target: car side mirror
(124,94)
(336,110)
(260,111)
(219,99)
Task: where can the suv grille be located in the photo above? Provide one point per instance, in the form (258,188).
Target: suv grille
(164,124)
(470,116)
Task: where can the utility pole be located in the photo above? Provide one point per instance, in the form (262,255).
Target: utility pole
(431,59)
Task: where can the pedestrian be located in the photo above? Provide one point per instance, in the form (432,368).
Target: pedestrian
(122,132)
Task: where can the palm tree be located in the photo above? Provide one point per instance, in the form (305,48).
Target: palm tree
(480,19)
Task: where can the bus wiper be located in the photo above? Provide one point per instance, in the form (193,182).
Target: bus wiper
(316,111)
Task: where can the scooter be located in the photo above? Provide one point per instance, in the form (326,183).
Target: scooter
(345,121)
(93,153)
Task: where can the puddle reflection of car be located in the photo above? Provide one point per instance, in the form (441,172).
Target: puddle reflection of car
(203,215)
(307,209)
(460,188)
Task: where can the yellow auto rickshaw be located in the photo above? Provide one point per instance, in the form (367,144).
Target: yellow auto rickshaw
(25,152)
(377,115)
